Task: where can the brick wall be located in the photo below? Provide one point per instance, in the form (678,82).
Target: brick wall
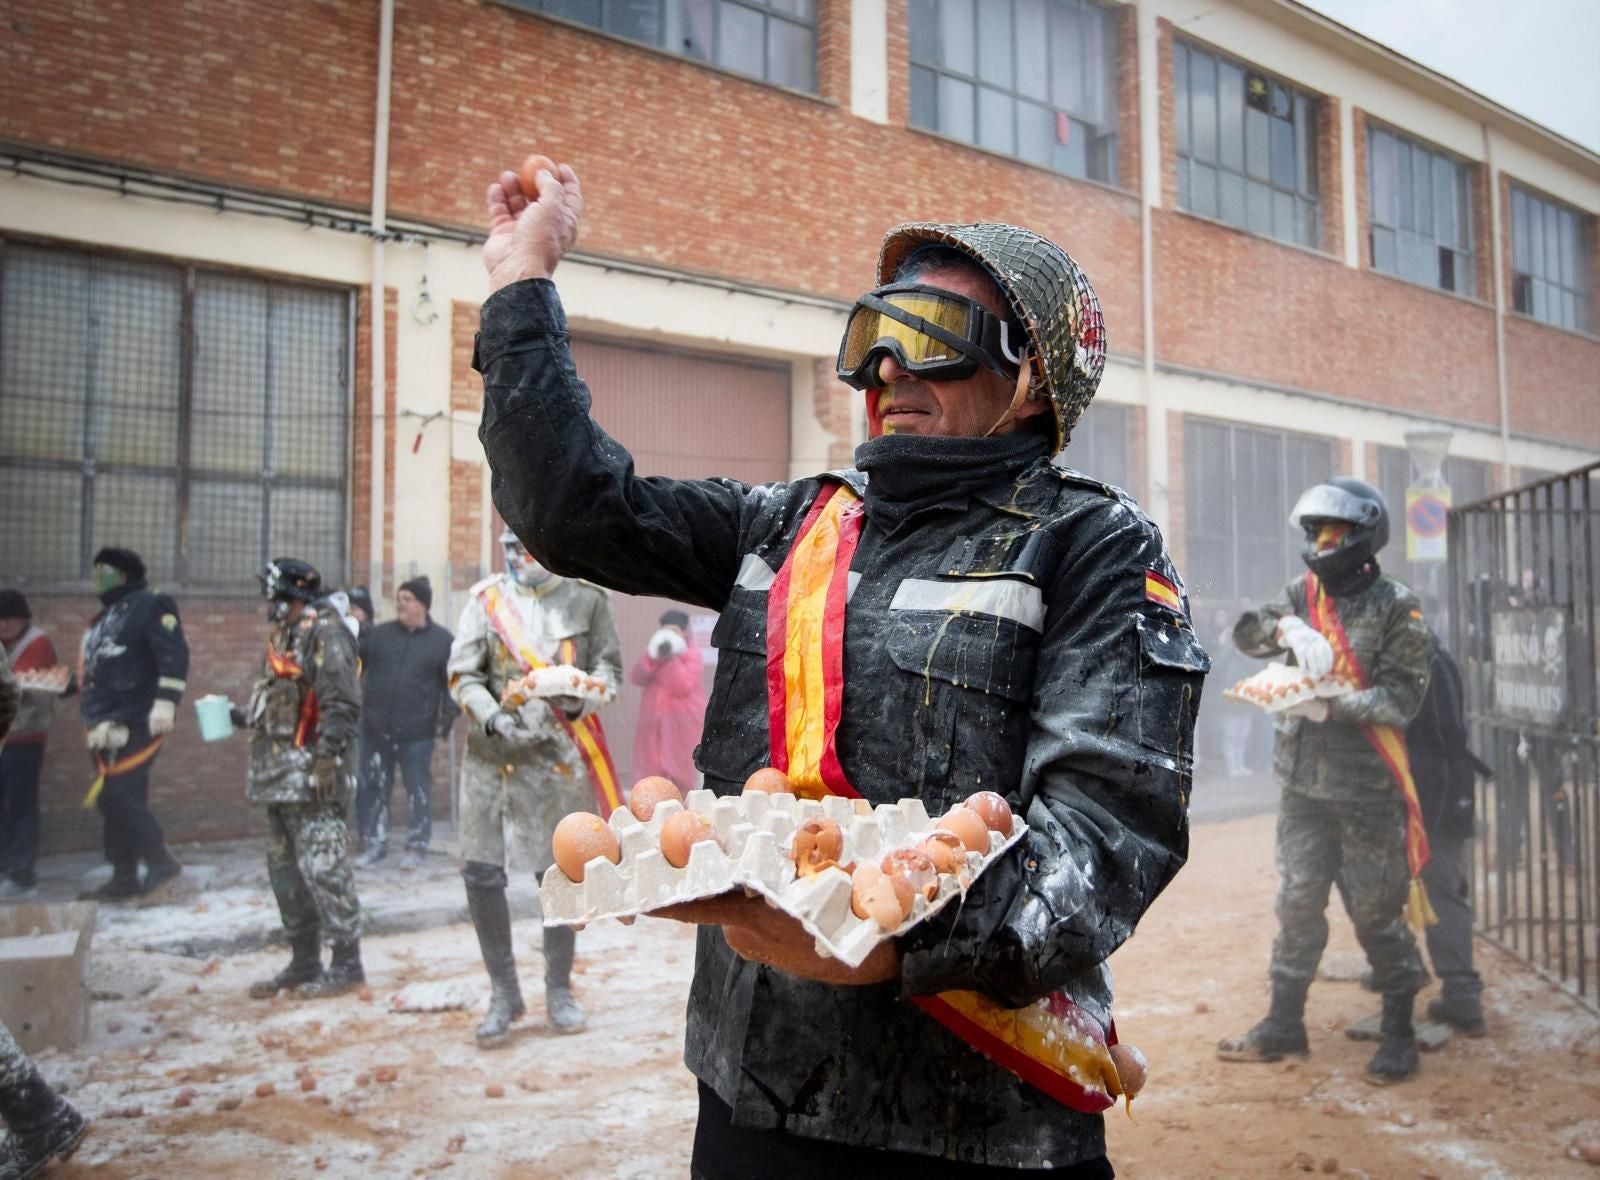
(361,435)
(834,403)
(466,476)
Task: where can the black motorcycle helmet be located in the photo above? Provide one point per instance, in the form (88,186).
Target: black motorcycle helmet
(286,580)
(1341,500)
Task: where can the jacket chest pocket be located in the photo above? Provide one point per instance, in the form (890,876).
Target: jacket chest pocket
(959,710)
(734,742)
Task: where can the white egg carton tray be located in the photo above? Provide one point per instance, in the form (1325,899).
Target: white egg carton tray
(752,853)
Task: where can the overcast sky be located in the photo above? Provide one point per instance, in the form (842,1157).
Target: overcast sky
(1540,58)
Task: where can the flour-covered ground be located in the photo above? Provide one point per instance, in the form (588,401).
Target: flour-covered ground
(616,1101)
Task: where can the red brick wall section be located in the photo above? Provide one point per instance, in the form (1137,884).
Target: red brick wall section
(833,51)
(466,477)
(1483,233)
(1363,223)
(1330,197)
(834,403)
(361,434)
(277,96)
(1168,115)
(1125,28)
(898,75)
(1232,302)
(1543,399)
(196,788)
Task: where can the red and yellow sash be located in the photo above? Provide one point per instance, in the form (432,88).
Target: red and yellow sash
(281,665)
(1388,740)
(1055,1047)
(586,732)
(124,765)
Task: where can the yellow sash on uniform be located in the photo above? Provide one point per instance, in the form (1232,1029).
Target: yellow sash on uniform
(1054,1046)
(586,732)
(1388,740)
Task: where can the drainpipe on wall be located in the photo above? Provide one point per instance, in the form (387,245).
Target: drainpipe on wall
(380,197)
(1495,249)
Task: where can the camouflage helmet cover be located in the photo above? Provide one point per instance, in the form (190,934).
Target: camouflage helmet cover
(1048,292)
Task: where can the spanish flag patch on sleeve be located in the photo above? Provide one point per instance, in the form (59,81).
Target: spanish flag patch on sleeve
(1162,592)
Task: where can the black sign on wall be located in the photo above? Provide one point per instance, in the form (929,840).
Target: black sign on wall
(1530,664)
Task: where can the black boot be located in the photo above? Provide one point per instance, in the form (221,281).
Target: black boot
(163,869)
(344,973)
(1396,1058)
(1282,1034)
(491,918)
(121,887)
(1464,1013)
(43,1126)
(305,966)
(561,1009)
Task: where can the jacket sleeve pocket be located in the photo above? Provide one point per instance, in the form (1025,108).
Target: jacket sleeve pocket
(1172,667)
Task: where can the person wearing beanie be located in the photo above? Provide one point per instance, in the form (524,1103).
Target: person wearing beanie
(28,652)
(406,706)
(361,605)
(673,708)
(135,664)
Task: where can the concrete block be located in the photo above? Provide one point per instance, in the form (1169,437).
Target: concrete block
(44,968)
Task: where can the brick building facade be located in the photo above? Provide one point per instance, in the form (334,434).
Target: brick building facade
(1212,166)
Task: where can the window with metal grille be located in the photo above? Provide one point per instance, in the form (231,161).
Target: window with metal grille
(774,40)
(1034,79)
(198,417)
(1240,483)
(1101,444)
(1247,147)
(1551,262)
(1420,210)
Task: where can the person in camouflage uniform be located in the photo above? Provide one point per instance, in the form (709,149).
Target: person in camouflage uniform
(303,713)
(522,771)
(39,1123)
(1343,816)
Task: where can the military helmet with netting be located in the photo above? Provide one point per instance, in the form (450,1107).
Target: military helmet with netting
(1048,292)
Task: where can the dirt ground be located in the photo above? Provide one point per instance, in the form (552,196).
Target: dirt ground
(617,1102)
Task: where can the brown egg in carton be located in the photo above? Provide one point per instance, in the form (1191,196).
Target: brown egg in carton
(748,842)
(1278,687)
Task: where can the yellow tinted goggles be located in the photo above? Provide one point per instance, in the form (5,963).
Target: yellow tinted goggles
(934,334)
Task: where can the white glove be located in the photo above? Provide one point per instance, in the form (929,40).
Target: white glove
(1311,651)
(108,735)
(162,714)
(1316,710)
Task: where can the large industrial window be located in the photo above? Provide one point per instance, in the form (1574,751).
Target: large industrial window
(1551,261)
(1102,444)
(1240,483)
(1420,208)
(195,416)
(1247,147)
(1034,79)
(774,40)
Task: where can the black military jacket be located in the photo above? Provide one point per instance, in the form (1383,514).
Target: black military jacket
(1061,684)
(134,652)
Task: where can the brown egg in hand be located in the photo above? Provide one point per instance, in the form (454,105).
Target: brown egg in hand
(768,781)
(993,810)
(648,793)
(681,832)
(968,825)
(528,174)
(579,838)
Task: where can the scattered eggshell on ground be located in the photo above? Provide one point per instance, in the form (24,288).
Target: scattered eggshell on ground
(265,1089)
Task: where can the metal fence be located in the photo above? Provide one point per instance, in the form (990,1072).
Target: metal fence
(1525,567)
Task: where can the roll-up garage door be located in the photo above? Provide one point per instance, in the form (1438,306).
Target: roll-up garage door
(688,416)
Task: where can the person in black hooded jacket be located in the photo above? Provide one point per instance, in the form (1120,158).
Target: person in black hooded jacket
(135,665)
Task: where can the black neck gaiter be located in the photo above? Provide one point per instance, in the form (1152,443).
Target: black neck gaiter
(907,472)
(1354,582)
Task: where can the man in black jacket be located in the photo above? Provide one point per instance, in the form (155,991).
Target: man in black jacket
(406,704)
(1445,772)
(135,661)
(987,620)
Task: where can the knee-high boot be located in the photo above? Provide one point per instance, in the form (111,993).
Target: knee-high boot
(491,918)
(562,1010)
